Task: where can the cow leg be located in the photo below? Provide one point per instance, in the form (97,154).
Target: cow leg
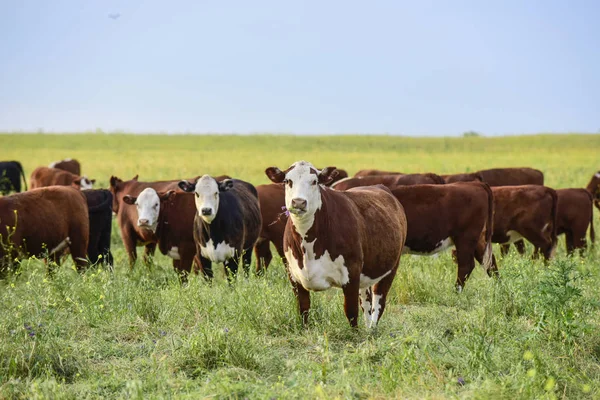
(303,297)
(263,255)
(351,290)
(539,241)
(206,266)
(570,242)
(247,261)
(149,251)
(504,249)
(380,291)
(366,296)
(78,250)
(520,246)
(128,236)
(465,256)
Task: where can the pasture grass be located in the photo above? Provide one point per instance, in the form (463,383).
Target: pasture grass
(534,333)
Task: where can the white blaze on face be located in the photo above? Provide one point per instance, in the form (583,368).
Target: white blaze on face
(302,185)
(207,198)
(148,208)
(86,183)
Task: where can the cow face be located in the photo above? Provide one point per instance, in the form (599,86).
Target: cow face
(207,191)
(148,208)
(302,191)
(84,183)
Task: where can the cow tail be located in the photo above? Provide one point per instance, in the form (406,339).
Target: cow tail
(554,216)
(23,175)
(489,229)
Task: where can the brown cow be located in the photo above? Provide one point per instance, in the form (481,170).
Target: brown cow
(352,240)
(528,211)
(466,177)
(44,176)
(44,221)
(594,188)
(274,216)
(390,181)
(170,216)
(375,172)
(132,234)
(457,214)
(512,176)
(67,164)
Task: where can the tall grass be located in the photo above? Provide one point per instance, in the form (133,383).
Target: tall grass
(141,334)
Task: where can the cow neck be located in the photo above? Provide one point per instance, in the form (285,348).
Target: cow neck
(307,228)
(162,225)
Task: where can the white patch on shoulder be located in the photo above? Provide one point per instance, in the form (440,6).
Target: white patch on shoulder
(317,274)
(219,253)
(366,305)
(439,247)
(513,236)
(366,282)
(376,309)
(174,253)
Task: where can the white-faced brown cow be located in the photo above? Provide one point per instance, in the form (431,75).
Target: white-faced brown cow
(594,188)
(44,176)
(526,212)
(67,164)
(42,222)
(227,223)
(170,216)
(388,180)
(456,215)
(352,240)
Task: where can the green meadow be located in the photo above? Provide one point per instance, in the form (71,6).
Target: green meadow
(141,334)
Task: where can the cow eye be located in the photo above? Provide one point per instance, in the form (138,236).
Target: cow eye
(155,206)
(216,195)
(314,182)
(285,181)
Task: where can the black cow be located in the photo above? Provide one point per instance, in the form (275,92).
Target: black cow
(99,203)
(10,177)
(227,224)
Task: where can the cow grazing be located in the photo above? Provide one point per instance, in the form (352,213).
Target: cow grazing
(442,216)
(352,240)
(170,216)
(594,188)
(227,224)
(43,222)
(99,202)
(10,177)
(274,219)
(375,172)
(67,164)
(390,181)
(529,212)
(44,176)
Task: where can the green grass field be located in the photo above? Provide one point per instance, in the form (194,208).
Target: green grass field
(535,333)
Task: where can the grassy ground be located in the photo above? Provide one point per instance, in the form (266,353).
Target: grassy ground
(140,334)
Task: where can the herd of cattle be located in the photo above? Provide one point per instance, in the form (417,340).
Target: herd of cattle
(330,230)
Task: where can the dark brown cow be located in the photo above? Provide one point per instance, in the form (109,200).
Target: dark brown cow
(172,225)
(43,222)
(133,234)
(512,176)
(529,212)
(458,214)
(44,176)
(352,240)
(466,177)
(274,216)
(99,202)
(67,164)
(375,172)
(390,181)
(594,188)
(575,213)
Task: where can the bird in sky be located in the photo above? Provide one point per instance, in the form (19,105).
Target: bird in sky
(114,15)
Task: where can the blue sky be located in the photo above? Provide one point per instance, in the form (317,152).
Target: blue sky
(431,67)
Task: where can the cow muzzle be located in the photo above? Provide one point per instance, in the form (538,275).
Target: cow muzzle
(206,211)
(298,206)
(144,223)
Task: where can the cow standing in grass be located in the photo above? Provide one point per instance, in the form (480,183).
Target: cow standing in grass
(227,223)
(352,240)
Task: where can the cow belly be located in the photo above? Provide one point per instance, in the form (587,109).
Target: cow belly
(317,274)
(439,247)
(219,253)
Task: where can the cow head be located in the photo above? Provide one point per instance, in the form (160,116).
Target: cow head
(207,191)
(83,183)
(116,186)
(302,186)
(594,188)
(148,206)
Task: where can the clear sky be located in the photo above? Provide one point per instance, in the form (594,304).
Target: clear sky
(420,67)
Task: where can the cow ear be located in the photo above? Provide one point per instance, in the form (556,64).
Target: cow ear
(275,174)
(225,185)
(166,195)
(114,181)
(187,186)
(93,181)
(135,178)
(127,199)
(327,175)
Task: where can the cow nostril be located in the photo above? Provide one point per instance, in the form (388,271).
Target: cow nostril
(299,203)
(144,222)
(206,211)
